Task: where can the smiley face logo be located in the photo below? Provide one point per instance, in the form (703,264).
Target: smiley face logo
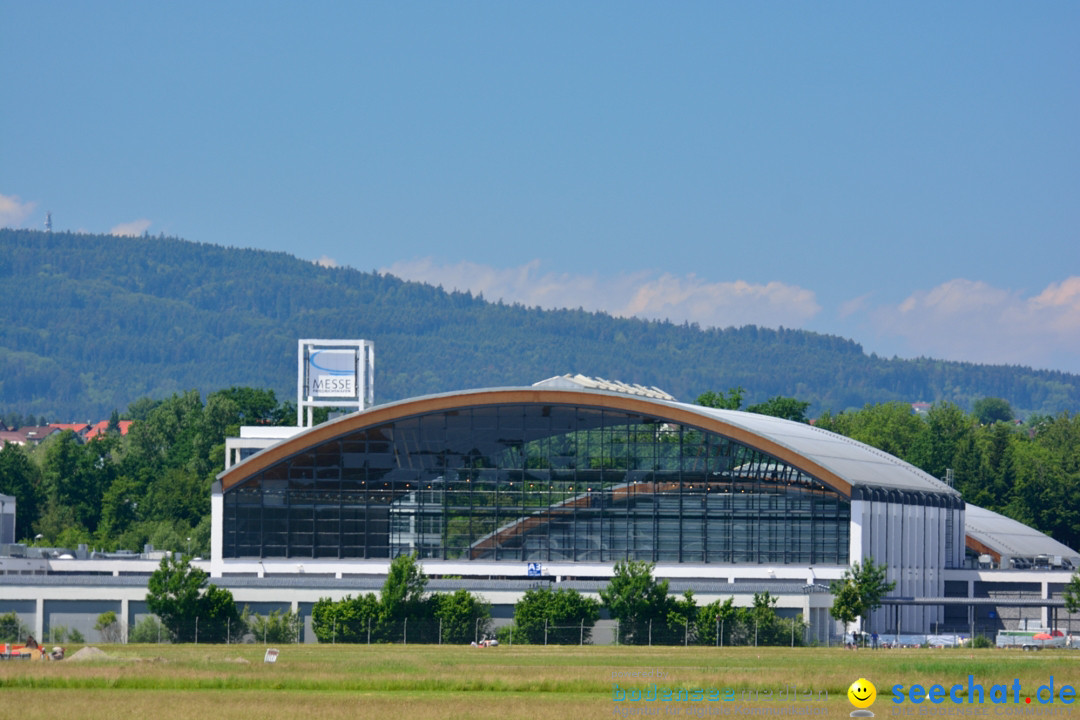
(862,693)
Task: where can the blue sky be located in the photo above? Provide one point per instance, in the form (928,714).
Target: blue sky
(904,174)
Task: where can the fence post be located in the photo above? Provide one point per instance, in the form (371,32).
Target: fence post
(440,631)
(228,630)
(333,632)
(721,632)
(755,631)
(369,630)
(581,637)
(196,630)
(650,632)
(405,631)
(617,636)
(545,630)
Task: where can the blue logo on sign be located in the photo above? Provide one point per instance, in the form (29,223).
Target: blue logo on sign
(332,371)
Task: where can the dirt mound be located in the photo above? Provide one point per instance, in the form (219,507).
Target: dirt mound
(89,653)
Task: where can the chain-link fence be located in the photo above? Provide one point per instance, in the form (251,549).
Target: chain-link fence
(287,628)
(403,632)
(723,632)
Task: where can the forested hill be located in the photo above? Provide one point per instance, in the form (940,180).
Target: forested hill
(93,322)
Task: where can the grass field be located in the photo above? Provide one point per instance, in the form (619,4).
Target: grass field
(400,682)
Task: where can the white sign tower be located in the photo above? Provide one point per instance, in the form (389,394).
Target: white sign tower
(333,373)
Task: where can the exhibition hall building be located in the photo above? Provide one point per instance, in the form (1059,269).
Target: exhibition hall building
(498,490)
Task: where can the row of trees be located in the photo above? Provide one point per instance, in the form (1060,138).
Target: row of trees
(1027,471)
(645,611)
(151,486)
(190,609)
(648,614)
(187,607)
(402,611)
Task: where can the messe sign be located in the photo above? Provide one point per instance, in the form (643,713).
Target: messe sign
(334,373)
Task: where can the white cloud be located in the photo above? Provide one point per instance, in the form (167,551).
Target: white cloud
(853,306)
(973,321)
(326,261)
(13,210)
(644,294)
(133,228)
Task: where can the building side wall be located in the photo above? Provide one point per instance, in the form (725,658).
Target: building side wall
(911,540)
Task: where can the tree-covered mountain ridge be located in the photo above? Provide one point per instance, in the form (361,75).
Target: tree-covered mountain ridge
(94,322)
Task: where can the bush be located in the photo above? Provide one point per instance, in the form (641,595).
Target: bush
(108,626)
(61,634)
(981,641)
(148,630)
(349,620)
(11,629)
(507,634)
(557,614)
(462,616)
(277,627)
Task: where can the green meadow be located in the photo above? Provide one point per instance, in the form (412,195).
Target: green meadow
(529,682)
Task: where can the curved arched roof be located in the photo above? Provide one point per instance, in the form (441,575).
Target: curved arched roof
(996,535)
(837,461)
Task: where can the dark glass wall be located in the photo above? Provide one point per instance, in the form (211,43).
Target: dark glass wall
(537,483)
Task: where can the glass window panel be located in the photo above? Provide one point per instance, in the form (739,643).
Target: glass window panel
(544,482)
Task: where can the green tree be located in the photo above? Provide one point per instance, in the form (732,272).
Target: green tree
(277,627)
(760,625)
(12,630)
(558,613)
(683,617)
(462,616)
(76,476)
(636,600)
(891,427)
(713,399)
(860,591)
(218,615)
(846,603)
(782,407)
(187,605)
(992,410)
(938,449)
(253,406)
(349,620)
(58,525)
(108,626)
(19,477)
(714,622)
(148,630)
(114,423)
(1072,593)
(402,593)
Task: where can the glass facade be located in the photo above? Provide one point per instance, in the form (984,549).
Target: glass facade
(537,482)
